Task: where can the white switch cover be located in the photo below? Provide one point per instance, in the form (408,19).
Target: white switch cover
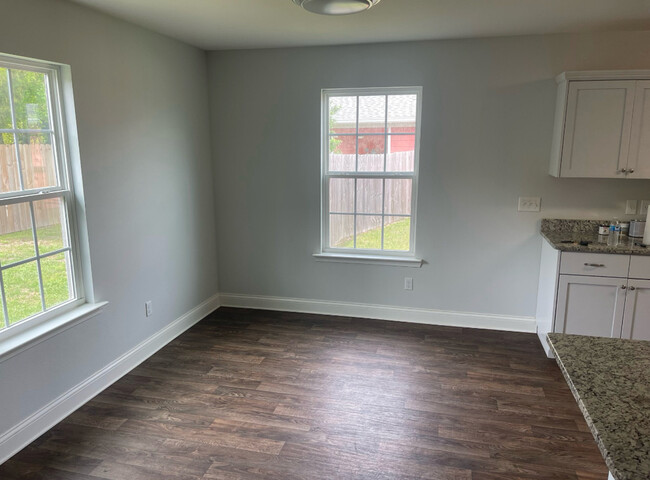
(630,207)
(148,308)
(408,283)
(529,204)
(644,207)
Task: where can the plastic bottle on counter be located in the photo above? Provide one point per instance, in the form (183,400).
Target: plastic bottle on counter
(614,233)
(625,228)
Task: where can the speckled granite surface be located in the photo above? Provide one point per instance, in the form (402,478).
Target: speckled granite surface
(610,379)
(566,235)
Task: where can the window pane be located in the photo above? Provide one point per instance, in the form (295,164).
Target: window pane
(342,195)
(401,153)
(341,153)
(16,238)
(22,291)
(5,109)
(397,233)
(37,160)
(30,99)
(343,114)
(397,198)
(402,113)
(49,215)
(2,315)
(56,271)
(371,150)
(9,179)
(369,195)
(372,114)
(342,231)
(369,232)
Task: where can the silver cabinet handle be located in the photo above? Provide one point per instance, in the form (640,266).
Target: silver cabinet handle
(632,288)
(623,287)
(631,170)
(623,170)
(594,264)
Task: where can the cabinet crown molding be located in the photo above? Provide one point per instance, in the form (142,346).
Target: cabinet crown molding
(603,75)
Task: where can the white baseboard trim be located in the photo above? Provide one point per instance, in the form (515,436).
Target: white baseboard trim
(21,435)
(382,312)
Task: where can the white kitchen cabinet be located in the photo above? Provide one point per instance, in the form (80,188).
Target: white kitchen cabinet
(593,294)
(636,320)
(590,305)
(602,125)
(595,264)
(639,267)
(598,126)
(639,155)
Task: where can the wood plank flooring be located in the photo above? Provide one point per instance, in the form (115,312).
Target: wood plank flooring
(264,395)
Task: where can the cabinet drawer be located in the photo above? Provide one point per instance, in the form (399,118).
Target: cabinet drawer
(640,267)
(597,264)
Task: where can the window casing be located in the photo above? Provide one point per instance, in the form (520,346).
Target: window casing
(370,150)
(40,274)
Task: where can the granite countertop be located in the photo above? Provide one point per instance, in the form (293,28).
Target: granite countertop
(610,380)
(566,235)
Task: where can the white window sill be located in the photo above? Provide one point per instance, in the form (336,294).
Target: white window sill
(369,259)
(25,339)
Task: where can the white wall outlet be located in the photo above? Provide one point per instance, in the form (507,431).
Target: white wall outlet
(644,207)
(408,283)
(148,308)
(630,207)
(529,204)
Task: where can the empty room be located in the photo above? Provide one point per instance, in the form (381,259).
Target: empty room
(325,239)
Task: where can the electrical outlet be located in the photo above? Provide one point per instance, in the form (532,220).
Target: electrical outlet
(643,207)
(148,308)
(529,204)
(408,283)
(630,207)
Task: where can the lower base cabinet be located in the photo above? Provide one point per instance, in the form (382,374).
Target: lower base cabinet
(590,306)
(593,294)
(636,319)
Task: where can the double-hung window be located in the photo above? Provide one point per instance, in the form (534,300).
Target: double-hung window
(39,258)
(369,170)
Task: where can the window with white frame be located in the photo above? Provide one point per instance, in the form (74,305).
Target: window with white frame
(370,165)
(39,263)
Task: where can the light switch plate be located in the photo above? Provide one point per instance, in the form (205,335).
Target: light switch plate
(630,207)
(529,204)
(644,207)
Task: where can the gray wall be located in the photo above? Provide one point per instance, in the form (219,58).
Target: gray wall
(145,154)
(487,121)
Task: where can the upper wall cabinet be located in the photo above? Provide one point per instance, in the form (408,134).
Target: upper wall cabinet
(602,125)
(638,163)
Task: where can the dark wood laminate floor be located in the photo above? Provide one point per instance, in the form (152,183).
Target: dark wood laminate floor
(262,395)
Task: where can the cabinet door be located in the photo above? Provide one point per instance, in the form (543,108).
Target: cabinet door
(639,159)
(590,305)
(597,129)
(636,320)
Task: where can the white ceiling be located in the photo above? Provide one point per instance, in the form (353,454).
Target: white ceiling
(236,24)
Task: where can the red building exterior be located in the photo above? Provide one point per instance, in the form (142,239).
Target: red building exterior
(374,142)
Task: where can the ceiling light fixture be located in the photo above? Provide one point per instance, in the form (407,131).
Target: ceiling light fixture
(336,7)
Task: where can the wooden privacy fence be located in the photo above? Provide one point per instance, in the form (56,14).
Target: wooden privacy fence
(397,194)
(38,170)
(374,162)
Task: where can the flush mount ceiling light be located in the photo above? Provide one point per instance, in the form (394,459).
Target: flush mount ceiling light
(336,7)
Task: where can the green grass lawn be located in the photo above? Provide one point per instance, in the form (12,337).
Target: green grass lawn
(21,283)
(396,237)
